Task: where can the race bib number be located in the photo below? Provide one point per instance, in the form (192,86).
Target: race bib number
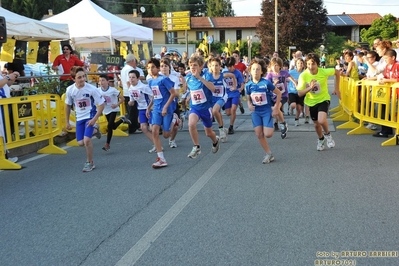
(259,98)
(156,92)
(316,88)
(230,83)
(135,94)
(281,87)
(107,99)
(219,91)
(83,104)
(197,97)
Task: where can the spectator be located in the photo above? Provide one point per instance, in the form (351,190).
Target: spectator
(163,51)
(63,64)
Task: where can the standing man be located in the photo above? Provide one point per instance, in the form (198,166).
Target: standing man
(163,51)
(63,64)
(132,111)
(297,55)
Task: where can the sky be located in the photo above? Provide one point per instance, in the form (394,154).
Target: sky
(334,7)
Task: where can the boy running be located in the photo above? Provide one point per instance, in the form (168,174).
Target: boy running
(313,83)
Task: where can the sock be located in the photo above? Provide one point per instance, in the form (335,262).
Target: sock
(322,138)
(198,146)
(160,155)
(327,134)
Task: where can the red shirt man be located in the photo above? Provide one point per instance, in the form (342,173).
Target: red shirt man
(67,60)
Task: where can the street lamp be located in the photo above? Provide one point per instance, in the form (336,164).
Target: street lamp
(249,40)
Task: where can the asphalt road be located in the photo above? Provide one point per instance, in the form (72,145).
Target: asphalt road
(219,209)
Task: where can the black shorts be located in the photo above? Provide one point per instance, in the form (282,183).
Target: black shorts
(320,107)
(294,98)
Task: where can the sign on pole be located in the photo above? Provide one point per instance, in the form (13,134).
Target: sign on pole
(173,21)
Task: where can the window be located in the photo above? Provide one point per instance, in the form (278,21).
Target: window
(171,37)
(222,36)
(200,34)
(238,35)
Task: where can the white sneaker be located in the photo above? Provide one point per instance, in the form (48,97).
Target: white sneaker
(371,126)
(13,159)
(330,141)
(172,144)
(216,148)
(296,123)
(159,163)
(268,158)
(320,144)
(223,134)
(153,149)
(194,152)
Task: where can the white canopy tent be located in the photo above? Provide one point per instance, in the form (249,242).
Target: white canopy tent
(89,23)
(27,29)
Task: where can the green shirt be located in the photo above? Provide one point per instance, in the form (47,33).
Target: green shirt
(320,92)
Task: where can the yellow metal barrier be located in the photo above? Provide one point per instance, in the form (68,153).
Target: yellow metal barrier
(368,101)
(33,118)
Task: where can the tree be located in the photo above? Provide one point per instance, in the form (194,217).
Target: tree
(301,23)
(219,8)
(384,27)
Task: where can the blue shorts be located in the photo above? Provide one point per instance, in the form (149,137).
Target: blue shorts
(204,115)
(231,101)
(143,118)
(164,121)
(263,119)
(83,130)
(220,102)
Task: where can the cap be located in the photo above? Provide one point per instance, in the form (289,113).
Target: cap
(157,56)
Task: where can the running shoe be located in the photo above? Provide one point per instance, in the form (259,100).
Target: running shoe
(153,149)
(106,147)
(194,152)
(296,122)
(223,134)
(320,144)
(88,166)
(125,120)
(231,130)
(307,120)
(172,144)
(268,158)
(330,141)
(283,129)
(216,148)
(159,163)
(98,133)
(241,108)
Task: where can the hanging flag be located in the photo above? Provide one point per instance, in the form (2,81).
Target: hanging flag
(117,47)
(141,53)
(227,48)
(43,50)
(55,50)
(7,51)
(123,49)
(204,39)
(31,57)
(146,51)
(238,45)
(20,51)
(135,51)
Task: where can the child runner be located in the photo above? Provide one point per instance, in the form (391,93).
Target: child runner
(113,98)
(260,92)
(313,83)
(220,95)
(279,79)
(295,101)
(233,92)
(140,94)
(162,103)
(84,97)
(200,106)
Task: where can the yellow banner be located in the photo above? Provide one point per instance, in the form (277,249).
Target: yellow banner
(135,49)
(55,50)
(7,51)
(31,57)
(146,51)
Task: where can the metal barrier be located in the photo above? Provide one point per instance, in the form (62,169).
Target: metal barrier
(368,101)
(30,119)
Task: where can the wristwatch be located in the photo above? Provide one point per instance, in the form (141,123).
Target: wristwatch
(8,78)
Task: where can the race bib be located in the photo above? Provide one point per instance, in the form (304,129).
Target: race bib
(107,99)
(83,104)
(135,94)
(281,87)
(259,98)
(316,88)
(156,92)
(197,97)
(230,83)
(219,91)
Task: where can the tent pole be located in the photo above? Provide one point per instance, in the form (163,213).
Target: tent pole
(111,45)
